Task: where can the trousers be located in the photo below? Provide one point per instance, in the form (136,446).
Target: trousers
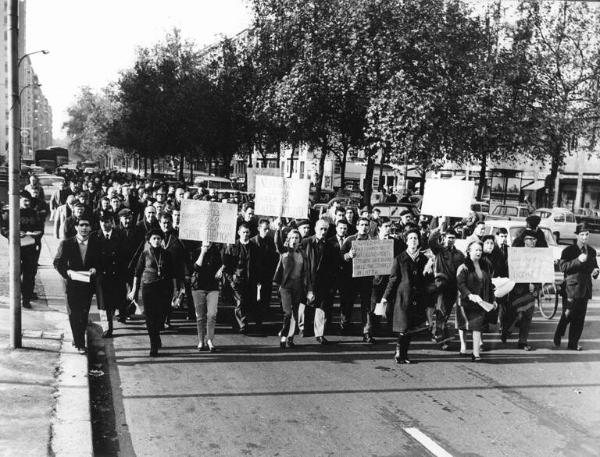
(205,304)
(575,320)
(354,287)
(290,301)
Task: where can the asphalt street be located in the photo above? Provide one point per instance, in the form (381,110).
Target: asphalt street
(346,399)
(349,399)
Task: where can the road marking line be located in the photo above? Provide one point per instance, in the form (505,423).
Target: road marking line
(431,445)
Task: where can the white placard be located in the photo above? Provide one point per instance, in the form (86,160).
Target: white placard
(531,265)
(447,197)
(81,276)
(252,173)
(373,257)
(285,197)
(208,221)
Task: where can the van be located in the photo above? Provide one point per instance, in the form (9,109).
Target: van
(214,182)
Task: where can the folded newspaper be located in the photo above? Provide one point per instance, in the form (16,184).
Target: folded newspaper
(487,306)
(80,276)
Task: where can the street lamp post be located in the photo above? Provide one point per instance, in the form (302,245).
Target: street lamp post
(14,171)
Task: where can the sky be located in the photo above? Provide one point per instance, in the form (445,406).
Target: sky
(91,41)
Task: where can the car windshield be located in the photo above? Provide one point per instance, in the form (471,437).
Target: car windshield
(50,181)
(516,231)
(543,214)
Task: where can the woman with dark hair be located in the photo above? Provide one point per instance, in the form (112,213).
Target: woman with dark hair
(407,286)
(292,279)
(474,278)
(155,273)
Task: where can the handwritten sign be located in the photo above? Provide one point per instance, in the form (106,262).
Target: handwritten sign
(531,265)
(285,197)
(447,197)
(208,221)
(373,257)
(252,173)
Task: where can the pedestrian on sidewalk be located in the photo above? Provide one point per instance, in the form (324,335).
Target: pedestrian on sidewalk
(155,274)
(32,230)
(579,265)
(76,259)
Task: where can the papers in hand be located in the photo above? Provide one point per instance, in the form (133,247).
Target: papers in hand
(80,276)
(27,240)
(486,306)
(380,309)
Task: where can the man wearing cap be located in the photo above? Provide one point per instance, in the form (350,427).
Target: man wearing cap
(521,302)
(78,254)
(579,265)
(356,286)
(112,270)
(69,229)
(447,261)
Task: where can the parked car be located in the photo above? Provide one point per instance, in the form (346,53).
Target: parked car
(393,210)
(560,221)
(509,212)
(590,217)
(514,229)
(50,183)
(480,207)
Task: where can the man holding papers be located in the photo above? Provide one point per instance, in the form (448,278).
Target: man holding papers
(77,260)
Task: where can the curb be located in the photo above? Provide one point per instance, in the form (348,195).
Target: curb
(71,422)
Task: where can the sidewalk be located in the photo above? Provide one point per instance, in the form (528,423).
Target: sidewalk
(44,393)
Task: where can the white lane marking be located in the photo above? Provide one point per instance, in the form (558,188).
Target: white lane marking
(431,445)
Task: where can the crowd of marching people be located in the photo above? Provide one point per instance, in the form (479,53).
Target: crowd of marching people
(120,241)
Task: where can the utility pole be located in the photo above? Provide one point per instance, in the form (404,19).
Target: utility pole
(14,171)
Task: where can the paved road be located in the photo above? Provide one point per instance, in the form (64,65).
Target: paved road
(346,399)
(349,399)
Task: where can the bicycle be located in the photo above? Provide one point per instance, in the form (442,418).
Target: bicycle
(547,299)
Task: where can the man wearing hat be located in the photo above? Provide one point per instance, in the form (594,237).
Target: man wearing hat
(521,302)
(532,222)
(579,265)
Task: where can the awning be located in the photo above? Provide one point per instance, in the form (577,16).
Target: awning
(535,185)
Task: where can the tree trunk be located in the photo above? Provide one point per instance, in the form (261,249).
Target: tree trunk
(381,163)
(151,165)
(181,165)
(551,180)
(482,172)
(321,170)
(191,164)
(145,167)
(368,183)
(345,149)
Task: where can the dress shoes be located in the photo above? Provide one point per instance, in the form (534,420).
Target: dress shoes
(321,340)
(557,340)
(26,304)
(154,352)
(575,348)
(211,346)
(367,338)
(82,350)
(475,358)
(107,333)
(122,319)
(244,330)
(290,343)
(525,347)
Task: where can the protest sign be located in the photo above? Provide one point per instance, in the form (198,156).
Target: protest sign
(208,221)
(531,265)
(285,197)
(373,257)
(447,197)
(252,173)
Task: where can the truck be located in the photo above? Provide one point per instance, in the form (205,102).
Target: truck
(51,158)
(62,155)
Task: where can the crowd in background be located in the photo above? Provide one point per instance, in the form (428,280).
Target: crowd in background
(120,240)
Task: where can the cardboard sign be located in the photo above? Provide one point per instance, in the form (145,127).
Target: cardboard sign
(208,221)
(531,265)
(252,173)
(447,197)
(285,197)
(373,257)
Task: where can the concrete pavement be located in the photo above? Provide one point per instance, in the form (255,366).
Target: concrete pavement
(44,393)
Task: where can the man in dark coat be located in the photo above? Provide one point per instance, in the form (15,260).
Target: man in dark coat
(322,260)
(129,249)
(579,265)
(110,282)
(356,286)
(264,259)
(236,270)
(335,243)
(77,261)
